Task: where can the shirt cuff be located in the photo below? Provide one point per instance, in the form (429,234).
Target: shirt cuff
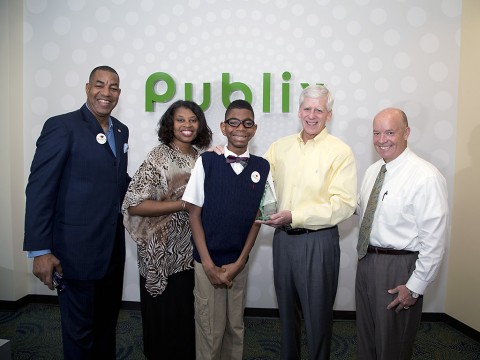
(35,253)
(416,285)
(295,222)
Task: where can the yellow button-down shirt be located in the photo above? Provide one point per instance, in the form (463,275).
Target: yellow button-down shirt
(316,180)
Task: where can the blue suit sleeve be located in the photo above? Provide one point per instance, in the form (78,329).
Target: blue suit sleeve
(42,188)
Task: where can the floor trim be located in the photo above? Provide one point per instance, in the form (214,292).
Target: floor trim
(251,312)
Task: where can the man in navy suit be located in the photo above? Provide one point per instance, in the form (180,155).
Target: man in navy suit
(73,223)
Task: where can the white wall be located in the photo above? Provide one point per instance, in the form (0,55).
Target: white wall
(13,268)
(370,53)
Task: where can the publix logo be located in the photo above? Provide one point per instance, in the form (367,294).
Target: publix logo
(169,88)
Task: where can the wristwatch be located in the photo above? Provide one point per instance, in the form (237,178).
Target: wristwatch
(413,294)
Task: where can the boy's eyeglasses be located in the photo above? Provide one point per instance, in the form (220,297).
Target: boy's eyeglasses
(247,123)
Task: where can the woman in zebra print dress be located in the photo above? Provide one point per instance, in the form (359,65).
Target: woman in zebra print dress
(155,217)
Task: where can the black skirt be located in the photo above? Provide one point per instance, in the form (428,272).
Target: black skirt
(168,319)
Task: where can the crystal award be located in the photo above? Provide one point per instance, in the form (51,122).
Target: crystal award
(268,204)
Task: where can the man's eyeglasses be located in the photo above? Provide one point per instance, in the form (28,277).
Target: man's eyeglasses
(247,123)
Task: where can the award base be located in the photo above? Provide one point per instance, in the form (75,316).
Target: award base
(263,218)
(266,210)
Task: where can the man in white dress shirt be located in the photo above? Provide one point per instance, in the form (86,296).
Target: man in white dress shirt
(405,246)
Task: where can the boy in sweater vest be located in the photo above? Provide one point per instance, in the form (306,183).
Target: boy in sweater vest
(223,196)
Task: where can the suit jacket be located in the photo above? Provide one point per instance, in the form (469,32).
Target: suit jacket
(74,193)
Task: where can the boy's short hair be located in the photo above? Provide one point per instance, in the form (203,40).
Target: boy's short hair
(239,104)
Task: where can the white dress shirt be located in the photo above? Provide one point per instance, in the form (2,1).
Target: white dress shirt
(411,214)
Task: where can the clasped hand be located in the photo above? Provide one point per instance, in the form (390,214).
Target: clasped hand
(222,277)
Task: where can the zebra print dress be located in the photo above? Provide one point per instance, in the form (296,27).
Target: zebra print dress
(163,242)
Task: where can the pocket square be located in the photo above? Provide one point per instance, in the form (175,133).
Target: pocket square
(125,148)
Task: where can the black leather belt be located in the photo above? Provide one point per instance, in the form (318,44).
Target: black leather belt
(378,250)
(301,231)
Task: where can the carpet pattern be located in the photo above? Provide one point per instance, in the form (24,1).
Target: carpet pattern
(35,333)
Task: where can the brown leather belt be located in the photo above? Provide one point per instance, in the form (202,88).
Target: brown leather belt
(301,231)
(378,250)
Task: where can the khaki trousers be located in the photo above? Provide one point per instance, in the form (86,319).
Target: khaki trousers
(219,325)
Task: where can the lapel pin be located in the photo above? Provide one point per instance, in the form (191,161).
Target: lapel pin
(101,138)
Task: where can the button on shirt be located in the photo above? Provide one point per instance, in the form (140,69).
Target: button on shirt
(411,213)
(316,180)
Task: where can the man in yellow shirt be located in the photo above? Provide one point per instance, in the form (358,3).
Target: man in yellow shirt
(316,184)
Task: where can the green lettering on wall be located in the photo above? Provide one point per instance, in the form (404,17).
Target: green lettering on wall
(206,95)
(151,96)
(266,92)
(152,86)
(228,89)
(304,85)
(286,76)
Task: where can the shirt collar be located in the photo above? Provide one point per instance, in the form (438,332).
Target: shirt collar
(110,124)
(392,165)
(319,137)
(227,152)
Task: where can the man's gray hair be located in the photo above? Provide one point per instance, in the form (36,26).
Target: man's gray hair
(315,92)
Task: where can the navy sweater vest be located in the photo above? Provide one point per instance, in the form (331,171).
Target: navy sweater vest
(230,206)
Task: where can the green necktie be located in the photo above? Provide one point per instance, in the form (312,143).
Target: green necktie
(366,226)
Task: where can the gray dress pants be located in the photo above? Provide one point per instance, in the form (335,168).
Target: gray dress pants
(384,334)
(306,271)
